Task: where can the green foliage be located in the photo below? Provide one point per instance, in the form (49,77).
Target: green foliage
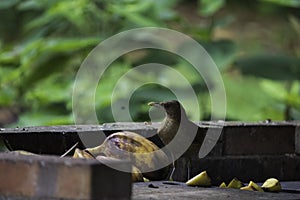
(291,3)
(277,67)
(208,7)
(43,43)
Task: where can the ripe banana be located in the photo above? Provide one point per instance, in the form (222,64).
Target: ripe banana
(201,179)
(22,152)
(143,153)
(81,154)
(223,185)
(136,174)
(255,186)
(271,185)
(235,183)
(249,188)
(252,187)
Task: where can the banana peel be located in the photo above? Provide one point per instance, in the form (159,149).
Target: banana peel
(78,153)
(271,185)
(142,153)
(136,175)
(202,180)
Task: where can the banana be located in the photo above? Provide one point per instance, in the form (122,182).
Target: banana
(223,185)
(143,153)
(255,186)
(248,187)
(271,185)
(136,174)
(235,183)
(252,187)
(81,154)
(22,152)
(201,179)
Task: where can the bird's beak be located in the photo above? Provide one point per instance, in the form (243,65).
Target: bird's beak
(155,104)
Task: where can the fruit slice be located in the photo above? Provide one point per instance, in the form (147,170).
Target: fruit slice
(271,185)
(201,179)
(81,154)
(223,185)
(255,186)
(235,183)
(248,187)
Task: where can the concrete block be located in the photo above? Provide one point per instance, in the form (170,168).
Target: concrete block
(49,177)
(246,168)
(297,139)
(259,140)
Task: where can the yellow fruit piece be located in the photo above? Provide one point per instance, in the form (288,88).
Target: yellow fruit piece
(255,186)
(235,183)
(223,185)
(201,179)
(142,153)
(145,179)
(81,154)
(136,175)
(271,185)
(22,152)
(248,187)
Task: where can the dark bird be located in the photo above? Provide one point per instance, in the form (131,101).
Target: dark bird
(178,132)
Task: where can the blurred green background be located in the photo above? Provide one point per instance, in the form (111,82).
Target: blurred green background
(256,45)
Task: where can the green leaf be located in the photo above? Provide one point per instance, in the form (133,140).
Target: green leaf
(223,52)
(248,101)
(290,3)
(277,67)
(208,7)
(5,4)
(42,118)
(54,89)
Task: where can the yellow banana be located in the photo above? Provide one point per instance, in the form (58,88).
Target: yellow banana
(271,185)
(81,154)
(249,188)
(252,187)
(235,183)
(143,153)
(255,186)
(223,185)
(201,179)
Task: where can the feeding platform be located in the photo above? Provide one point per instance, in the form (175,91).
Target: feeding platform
(248,151)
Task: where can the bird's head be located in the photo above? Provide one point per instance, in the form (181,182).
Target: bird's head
(172,108)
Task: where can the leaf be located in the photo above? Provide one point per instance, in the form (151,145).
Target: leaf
(223,52)
(54,89)
(5,4)
(276,67)
(208,8)
(247,101)
(42,58)
(42,118)
(290,3)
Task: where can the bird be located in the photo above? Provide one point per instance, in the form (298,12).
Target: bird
(178,131)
